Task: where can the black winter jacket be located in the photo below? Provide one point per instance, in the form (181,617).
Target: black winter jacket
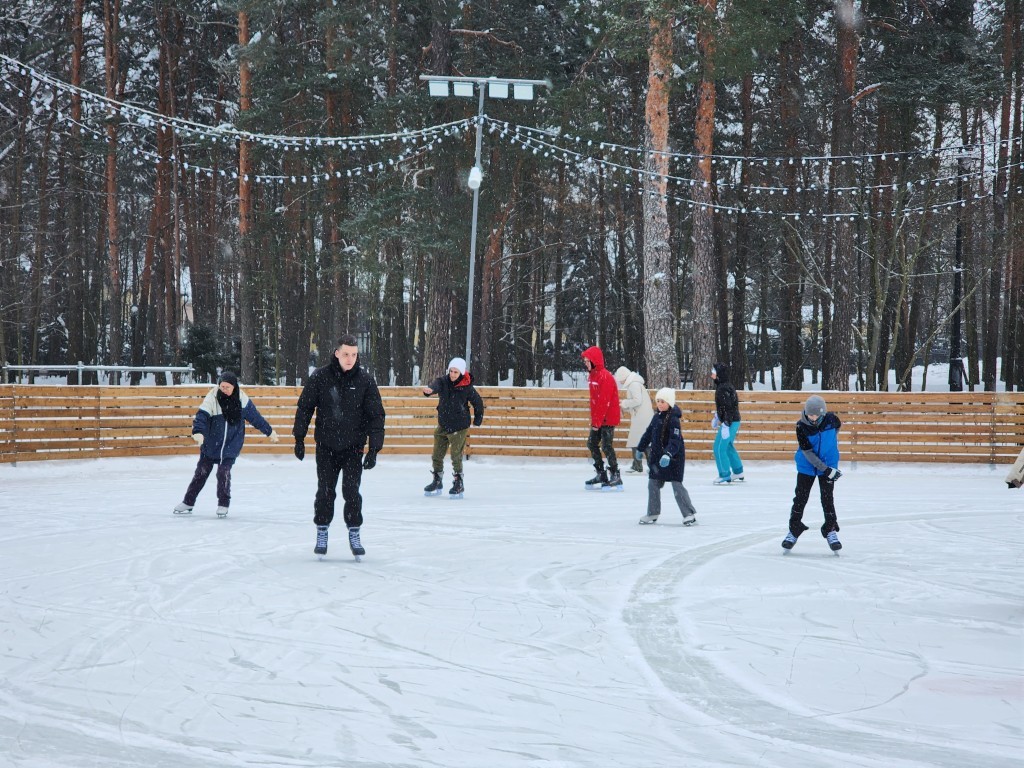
(664,435)
(453,401)
(348,408)
(727,403)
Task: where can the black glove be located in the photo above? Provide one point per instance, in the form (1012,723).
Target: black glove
(370,461)
(300,450)
(832,474)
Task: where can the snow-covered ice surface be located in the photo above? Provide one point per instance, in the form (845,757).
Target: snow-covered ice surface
(533,624)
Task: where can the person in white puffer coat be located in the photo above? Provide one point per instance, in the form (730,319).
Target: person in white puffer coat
(637,404)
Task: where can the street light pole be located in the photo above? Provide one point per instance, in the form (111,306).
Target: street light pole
(475,177)
(497,88)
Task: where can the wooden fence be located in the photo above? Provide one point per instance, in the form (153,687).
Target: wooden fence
(71,422)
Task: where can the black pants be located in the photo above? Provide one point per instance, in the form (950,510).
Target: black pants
(602,440)
(203,470)
(329,464)
(804,483)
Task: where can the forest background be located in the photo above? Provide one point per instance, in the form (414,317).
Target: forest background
(833,186)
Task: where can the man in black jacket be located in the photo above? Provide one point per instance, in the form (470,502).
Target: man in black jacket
(349,412)
(455,395)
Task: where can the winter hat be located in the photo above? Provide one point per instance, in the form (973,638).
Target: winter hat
(230,405)
(458,364)
(667,394)
(815,406)
(620,374)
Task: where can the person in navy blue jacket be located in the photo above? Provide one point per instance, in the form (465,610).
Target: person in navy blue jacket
(666,458)
(817,456)
(219,431)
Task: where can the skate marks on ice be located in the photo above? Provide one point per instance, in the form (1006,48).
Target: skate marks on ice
(843,676)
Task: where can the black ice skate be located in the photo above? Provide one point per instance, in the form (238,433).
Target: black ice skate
(614,482)
(595,483)
(789,541)
(321,541)
(457,489)
(435,487)
(354,544)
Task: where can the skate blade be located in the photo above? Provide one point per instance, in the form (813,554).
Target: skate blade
(591,487)
(220,516)
(433,493)
(357,558)
(455,496)
(181,514)
(688,523)
(613,489)
(648,522)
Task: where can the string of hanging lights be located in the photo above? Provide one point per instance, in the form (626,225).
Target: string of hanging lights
(814,170)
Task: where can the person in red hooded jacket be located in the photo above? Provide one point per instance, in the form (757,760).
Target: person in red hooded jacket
(604,417)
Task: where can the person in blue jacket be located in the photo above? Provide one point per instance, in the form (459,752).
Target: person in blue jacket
(666,458)
(817,456)
(219,431)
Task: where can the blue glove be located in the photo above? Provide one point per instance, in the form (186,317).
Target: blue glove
(832,474)
(665,460)
(725,432)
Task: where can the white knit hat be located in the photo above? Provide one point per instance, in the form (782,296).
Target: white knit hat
(458,364)
(667,394)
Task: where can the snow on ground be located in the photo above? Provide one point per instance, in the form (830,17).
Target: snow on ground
(532,625)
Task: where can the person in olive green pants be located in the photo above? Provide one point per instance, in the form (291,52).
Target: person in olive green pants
(455,393)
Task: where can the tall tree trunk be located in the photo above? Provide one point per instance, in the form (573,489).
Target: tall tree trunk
(837,366)
(738,360)
(662,365)
(441,297)
(111,27)
(75,204)
(1000,252)
(704,271)
(247,293)
(791,319)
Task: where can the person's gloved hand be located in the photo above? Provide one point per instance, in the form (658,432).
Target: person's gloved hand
(715,423)
(274,437)
(832,474)
(300,450)
(199,438)
(665,460)
(370,461)
(724,432)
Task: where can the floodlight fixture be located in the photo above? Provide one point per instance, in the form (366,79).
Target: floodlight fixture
(497,90)
(437,88)
(475,177)
(522,91)
(463,88)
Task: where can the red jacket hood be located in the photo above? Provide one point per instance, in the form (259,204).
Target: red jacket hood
(595,356)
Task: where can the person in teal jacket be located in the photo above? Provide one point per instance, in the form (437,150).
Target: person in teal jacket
(219,430)
(817,457)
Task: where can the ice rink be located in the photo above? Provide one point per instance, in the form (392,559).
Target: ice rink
(530,625)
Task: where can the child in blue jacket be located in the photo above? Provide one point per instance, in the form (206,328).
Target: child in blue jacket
(219,431)
(666,458)
(817,435)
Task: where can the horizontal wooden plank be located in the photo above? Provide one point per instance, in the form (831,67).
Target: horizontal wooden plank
(70,422)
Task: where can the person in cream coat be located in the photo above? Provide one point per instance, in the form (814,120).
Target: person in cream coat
(637,404)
